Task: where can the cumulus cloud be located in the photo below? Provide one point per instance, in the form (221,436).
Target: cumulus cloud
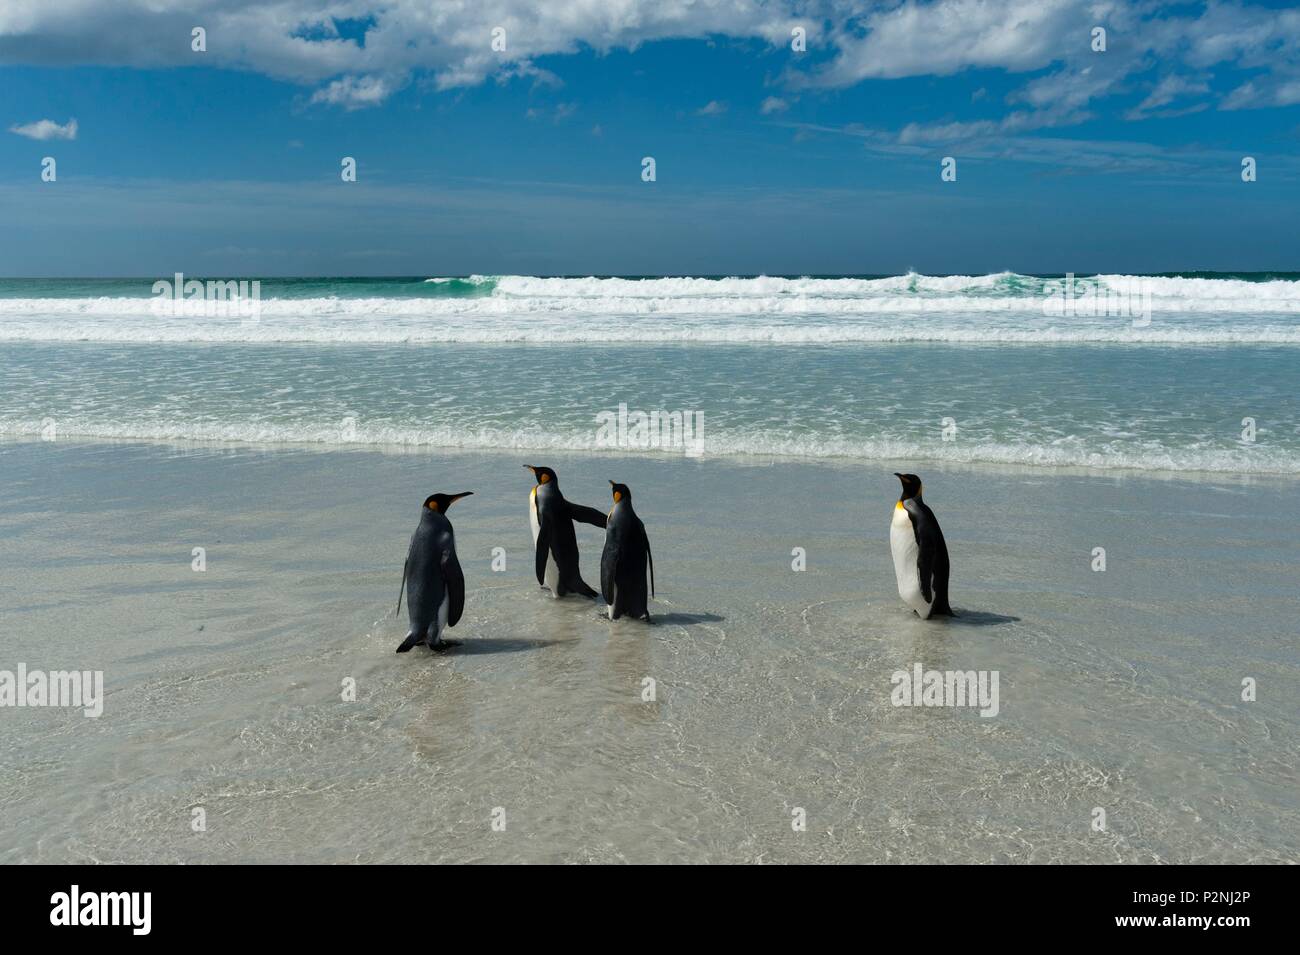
(773,104)
(46,129)
(945,36)
(712,108)
(300,40)
(357,53)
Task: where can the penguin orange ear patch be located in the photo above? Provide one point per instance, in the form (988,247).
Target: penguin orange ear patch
(433,505)
(618,496)
(544,478)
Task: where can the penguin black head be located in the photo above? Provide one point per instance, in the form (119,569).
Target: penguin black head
(620,492)
(440,502)
(543,475)
(911,485)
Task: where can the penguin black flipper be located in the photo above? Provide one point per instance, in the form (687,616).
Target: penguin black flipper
(454,580)
(924,553)
(608,568)
(543,550)
(588,515)
(651,560)
(405,567)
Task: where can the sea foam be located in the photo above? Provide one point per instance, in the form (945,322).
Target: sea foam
(1003,308)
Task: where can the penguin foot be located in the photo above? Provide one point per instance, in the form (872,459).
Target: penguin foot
(442,645)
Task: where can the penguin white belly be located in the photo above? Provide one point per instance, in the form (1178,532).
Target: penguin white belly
(552,576)
(613,600)
(902,541)
(552,573)
(441,624)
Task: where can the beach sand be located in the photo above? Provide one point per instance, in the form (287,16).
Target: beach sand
(1119,690)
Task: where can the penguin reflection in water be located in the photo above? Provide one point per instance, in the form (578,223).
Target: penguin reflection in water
(554,541)
(432,578)
(625,560)
(920,554)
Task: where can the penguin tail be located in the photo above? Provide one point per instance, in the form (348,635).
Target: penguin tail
(411,640)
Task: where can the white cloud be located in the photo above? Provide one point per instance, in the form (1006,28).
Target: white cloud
(46,129)
(773,104)
(919,134)
(298,40)
(943,37)
(354,92)
(448,43)
(1250,95)
(989,140)
(558,114)
(712,108)
(1169,89)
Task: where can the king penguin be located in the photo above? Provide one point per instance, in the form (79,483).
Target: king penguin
(554,542)
(626,557)
(920,554)
(432,578)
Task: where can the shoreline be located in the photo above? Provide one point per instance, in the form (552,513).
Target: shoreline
(838,462)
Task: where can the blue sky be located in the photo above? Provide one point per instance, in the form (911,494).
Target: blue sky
(528,161)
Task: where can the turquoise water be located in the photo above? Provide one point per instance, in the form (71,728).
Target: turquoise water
(1177,373)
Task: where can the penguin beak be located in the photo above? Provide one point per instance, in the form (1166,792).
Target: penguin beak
(611,483)
(457,497)
(530,468)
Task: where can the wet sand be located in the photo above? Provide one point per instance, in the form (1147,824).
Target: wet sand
(1119,690)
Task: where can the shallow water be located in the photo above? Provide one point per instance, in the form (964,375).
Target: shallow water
(1119,690)
(951,369)
(1118,406)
